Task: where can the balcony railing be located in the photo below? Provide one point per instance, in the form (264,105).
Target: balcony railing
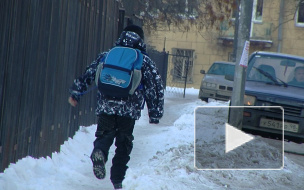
(261,34)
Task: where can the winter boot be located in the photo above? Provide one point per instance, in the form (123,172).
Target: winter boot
(99,169)
(117,186)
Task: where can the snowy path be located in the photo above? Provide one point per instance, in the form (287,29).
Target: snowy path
(162,158)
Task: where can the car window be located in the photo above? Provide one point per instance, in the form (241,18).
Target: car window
(276,70)
(221,69)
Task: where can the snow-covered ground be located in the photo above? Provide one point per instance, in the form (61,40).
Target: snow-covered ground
(162,158)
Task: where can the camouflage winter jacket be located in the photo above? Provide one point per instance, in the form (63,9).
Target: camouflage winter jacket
(152,92)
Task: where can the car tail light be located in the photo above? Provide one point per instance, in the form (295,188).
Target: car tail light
(246,114)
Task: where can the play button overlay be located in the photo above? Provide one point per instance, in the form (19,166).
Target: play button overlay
(235,138)
(220,146)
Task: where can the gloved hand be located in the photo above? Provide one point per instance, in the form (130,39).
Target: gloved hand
(72,101)
(153,121)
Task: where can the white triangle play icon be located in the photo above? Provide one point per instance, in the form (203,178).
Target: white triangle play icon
(235,138)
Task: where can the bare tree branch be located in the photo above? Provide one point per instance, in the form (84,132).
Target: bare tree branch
(189,14)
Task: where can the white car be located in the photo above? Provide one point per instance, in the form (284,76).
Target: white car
(214,84)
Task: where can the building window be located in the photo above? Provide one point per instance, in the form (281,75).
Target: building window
(257,10)
(300,15)
(182,60)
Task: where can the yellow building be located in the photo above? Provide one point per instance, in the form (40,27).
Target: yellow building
(204,47)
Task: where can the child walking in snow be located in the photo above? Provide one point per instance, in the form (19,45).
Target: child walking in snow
(117,116)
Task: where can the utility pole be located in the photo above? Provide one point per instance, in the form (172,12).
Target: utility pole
(243,35)
(236,29)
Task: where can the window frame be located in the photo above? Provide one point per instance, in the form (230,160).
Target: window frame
(299,24)
(182,59)
(254,11)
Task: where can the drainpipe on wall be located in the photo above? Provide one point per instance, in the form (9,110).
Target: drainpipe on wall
(164,48)
(280,29)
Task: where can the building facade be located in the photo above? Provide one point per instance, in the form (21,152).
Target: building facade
(277,26)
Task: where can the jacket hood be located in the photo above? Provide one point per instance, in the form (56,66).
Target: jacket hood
(132,40)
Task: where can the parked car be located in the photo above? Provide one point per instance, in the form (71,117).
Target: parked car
(272,81)
(214,84)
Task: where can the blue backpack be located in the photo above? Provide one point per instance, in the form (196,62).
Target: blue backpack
(119,73)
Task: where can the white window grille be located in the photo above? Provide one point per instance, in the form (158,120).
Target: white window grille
(182,60)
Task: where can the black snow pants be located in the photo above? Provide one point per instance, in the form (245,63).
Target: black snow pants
(120,128)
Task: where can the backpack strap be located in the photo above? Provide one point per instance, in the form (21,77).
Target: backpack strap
(99,68)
